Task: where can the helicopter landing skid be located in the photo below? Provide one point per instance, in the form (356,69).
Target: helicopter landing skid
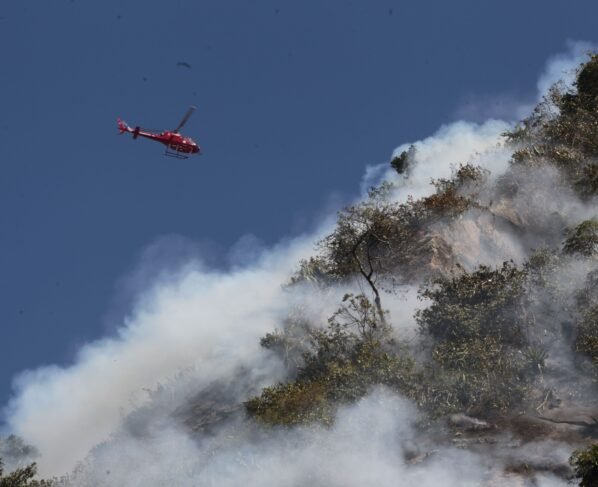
(176,154)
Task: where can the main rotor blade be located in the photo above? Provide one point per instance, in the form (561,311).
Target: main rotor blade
(185,118)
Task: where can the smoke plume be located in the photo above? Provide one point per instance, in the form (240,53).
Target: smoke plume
(192,328)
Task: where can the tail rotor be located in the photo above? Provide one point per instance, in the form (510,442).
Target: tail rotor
(123,127)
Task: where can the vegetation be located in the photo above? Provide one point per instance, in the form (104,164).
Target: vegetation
(345,360)
(587,338)
(583,239)
(482,332)
(585,465)
(478,326)
(480,357)
(16,452)
(486,336)
(23,477)
(19,455)
(404,161)
(456,195)
(483,351)
(291,343)
(563,131)
(380,240)
(485,303)
(368,239)
(586,341)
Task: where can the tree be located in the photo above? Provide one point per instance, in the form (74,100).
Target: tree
(366,240)
(485,303)
(563,131)
(477,327)
(15,452)
(586,341)
(585,465)
(353,353)
(583,239)
(23,477)
(403,163)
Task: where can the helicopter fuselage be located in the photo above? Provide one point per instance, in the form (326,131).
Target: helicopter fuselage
(177,145)
(173,140)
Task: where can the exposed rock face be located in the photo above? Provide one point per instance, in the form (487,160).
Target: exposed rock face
(468,224)
(434,255)
(505,209)
(477,236)
(480,236)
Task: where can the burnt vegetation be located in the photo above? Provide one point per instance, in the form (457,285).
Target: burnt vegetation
(23,477)
(15,452)
(485,334)
(585,464)
(563,131)
(489,338)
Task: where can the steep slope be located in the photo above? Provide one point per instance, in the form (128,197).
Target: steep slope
(444,338)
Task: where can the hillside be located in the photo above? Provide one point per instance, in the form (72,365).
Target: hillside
(503,348)
(463,335)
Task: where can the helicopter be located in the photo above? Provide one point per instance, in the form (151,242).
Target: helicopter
(177,145)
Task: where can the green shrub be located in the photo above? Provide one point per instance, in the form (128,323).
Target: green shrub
(403,162)
(316,397)
(354,353)
(585,466)
(583,239)
(23,477)
(586,339)
(315,270)
(291,342)
(482,359)
(487,375)
(375,237)
(563,131)
(587,334)
(297,402)
(484,303)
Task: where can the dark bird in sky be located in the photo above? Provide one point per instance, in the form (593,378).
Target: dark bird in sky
(183,63)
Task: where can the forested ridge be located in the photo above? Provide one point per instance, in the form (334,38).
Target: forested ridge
(501,348)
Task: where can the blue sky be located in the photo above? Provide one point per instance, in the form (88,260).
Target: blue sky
(294,100)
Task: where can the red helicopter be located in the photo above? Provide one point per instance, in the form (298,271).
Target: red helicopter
(177,145)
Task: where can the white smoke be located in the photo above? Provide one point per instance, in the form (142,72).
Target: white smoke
(512,107)
(438,156)
(208,319)
(563,67)
(210,323)
(478,143)
(374,442)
